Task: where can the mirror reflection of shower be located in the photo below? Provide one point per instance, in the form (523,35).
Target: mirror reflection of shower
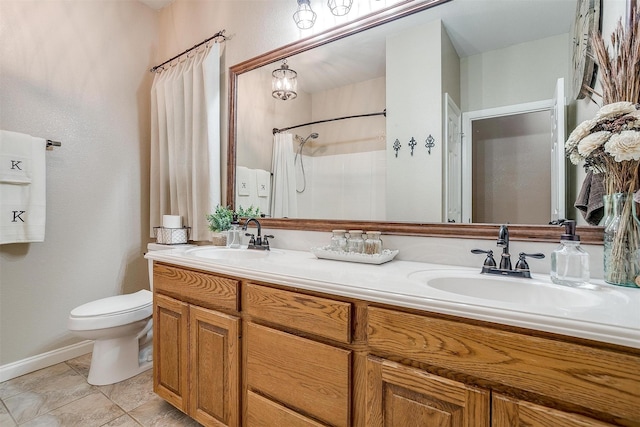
(314,135)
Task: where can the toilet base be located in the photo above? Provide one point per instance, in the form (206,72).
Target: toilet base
(115,360)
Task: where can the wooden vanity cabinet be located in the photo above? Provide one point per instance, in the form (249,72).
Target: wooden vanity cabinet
(197,349)
(598,386)
(309,359)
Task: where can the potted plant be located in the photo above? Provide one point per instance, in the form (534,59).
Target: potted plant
(220,221)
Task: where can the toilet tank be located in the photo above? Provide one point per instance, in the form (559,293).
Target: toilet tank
(159,247)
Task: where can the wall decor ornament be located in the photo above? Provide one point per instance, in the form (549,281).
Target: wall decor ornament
(396,146)
(412,144)
(430,142)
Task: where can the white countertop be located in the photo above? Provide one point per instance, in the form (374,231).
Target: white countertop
(609,313)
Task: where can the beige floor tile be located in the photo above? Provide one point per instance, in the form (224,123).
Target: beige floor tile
(50,393)
(93,410)
(131,393)
(29,381)
(123,421)
(158,413)
(5,418)
(60,396)
(81,364)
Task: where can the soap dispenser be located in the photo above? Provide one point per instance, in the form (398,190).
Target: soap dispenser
(569,262)
(233,235)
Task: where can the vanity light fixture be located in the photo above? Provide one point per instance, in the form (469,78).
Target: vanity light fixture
(304,16)
(339,7)
(284,83)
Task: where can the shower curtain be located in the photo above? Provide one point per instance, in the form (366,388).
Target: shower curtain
(283,199)
(185,141)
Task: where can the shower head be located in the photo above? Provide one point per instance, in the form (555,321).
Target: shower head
(312,136)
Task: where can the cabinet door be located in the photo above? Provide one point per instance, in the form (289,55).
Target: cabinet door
(402,396)
(170,350)
(508,412)
(214,367)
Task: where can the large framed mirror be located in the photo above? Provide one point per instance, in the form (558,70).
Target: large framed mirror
(424,64)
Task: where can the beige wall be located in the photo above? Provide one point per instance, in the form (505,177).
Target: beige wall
(517,74)
(77,72)
(414,110)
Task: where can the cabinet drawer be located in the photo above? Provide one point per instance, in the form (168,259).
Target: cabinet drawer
(306,313)
(206,290)
(263,412)
(598,379)
(311,377)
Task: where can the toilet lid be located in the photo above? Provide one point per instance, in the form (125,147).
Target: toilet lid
(115,305)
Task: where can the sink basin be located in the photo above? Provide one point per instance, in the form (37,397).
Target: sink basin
(506,289)
(220,252)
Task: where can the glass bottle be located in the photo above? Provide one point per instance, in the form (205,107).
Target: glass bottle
(355,243)
(339,240)
(569,262)
(233,235)
(373,244)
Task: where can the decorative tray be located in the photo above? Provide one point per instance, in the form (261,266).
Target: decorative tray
(326,253)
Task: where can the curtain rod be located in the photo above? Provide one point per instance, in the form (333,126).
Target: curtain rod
(383,113)
(216,35)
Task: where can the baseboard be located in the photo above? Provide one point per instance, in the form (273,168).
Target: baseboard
(31,364)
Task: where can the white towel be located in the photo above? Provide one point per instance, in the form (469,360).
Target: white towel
(263,179)
(23,196)
(243,181)
(15,157)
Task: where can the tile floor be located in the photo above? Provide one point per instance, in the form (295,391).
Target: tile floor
(60,396)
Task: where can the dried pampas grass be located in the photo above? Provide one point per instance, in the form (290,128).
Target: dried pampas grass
(620,71)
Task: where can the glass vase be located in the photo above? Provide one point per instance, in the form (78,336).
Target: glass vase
(622,243)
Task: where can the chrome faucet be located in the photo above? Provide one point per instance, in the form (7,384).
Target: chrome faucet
(522,267)
(257,242)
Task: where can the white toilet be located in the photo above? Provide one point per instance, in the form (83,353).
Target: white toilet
(122,329)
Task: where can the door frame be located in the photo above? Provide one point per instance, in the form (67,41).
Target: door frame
(467,122)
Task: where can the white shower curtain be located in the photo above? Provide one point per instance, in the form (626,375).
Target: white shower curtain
(283,201)
(185,141)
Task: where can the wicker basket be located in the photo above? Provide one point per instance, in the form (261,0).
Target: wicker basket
(172,236)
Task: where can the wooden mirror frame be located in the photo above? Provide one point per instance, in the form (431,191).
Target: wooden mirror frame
(538,233)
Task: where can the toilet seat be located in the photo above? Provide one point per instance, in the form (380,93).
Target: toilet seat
(112,311)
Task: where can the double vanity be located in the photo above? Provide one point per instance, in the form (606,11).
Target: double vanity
(247,337)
